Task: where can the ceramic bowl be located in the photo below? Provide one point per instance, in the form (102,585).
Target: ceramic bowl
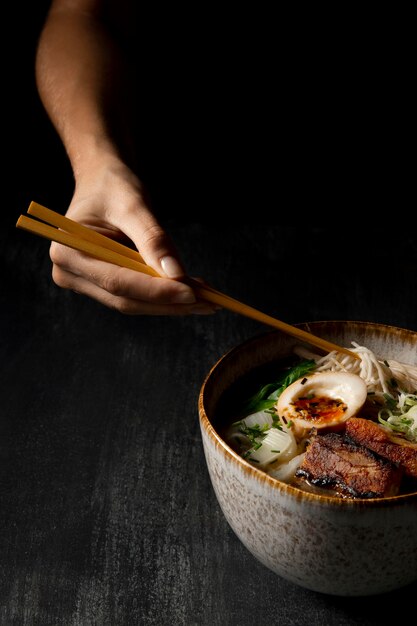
(330,545)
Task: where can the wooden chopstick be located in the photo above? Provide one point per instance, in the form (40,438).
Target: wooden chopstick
(89,241)
(89,247)
(88,234)
(60,221)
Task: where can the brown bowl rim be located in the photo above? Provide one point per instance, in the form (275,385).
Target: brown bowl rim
(262,476)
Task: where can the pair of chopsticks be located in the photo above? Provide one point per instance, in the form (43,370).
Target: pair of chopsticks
(56,227)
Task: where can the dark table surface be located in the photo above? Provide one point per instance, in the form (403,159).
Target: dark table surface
(107,514)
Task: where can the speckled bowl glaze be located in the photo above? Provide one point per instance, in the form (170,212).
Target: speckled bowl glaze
(340,547)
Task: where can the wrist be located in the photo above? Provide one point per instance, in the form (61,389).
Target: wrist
(92,153)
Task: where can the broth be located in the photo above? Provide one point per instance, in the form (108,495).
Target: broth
(229,411)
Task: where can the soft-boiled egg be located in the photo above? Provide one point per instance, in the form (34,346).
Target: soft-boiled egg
(322,400)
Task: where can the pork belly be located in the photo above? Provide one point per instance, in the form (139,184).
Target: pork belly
(331,461)
(384,442)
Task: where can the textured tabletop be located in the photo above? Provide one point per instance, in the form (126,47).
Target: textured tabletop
(107,512)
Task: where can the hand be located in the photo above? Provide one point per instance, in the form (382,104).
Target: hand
(110,200)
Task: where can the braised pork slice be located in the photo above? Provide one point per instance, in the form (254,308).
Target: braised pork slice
(383,442)
(331,461)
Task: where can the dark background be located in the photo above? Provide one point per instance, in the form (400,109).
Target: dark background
(107,515)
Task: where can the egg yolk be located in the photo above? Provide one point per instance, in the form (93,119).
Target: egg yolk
(319,408)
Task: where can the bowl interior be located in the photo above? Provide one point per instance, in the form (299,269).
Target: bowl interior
(261,352)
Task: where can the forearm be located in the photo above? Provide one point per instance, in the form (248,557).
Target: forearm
(80,75)
(82,81)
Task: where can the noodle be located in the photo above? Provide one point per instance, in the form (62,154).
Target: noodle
(294,429)
(377,373)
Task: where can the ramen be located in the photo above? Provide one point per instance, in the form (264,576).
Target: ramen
(332,425)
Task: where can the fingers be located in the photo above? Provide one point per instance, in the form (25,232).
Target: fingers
(119,288)
(153,243)
(113,197)
(121,210)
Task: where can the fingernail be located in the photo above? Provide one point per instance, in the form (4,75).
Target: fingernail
(171,267)
(184,297)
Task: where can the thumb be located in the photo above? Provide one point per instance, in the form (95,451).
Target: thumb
(152,242)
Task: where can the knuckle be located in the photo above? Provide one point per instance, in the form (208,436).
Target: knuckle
(57,253)
(108,283)
(112,283)
(153,236)
(60,277)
